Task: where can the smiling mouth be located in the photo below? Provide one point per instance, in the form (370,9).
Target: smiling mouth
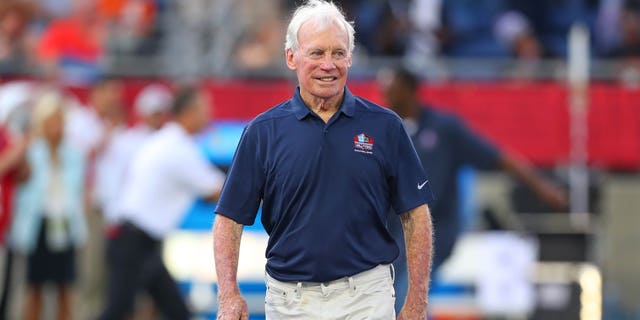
(327,79)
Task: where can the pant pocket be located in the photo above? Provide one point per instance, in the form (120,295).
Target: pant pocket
(285,304)
(379,299)
(276,296)
(382,286)
(382,306)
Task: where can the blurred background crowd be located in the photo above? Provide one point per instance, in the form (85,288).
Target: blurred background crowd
(222,37)
(92,77)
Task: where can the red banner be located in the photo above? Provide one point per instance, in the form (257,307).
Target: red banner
(529,118)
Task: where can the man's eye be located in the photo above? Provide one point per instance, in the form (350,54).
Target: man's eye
(339,54)
(316,53)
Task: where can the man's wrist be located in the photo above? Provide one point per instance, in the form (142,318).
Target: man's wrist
(416,303)
(228,291)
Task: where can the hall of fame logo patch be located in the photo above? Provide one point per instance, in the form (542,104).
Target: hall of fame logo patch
(363,143)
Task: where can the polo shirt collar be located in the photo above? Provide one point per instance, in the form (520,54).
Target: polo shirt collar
(348,106)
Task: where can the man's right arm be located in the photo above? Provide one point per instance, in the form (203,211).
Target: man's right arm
(226,247)
(237,206)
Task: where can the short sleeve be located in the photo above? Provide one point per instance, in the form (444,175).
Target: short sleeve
(473,149)
(408,182)
(243,189)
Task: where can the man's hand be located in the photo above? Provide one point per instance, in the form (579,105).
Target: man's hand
(413,309)
(232,307)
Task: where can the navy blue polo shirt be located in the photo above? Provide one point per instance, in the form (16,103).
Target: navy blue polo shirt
(325,189)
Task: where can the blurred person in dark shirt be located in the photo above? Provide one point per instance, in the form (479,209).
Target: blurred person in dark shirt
(445,145)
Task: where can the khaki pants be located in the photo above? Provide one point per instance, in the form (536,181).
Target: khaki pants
(366,295)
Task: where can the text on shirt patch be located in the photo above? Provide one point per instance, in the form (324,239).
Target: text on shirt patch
(363,143)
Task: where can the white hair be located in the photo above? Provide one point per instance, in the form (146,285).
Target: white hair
(322,12)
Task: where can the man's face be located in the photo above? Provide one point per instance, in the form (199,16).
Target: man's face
(322,60)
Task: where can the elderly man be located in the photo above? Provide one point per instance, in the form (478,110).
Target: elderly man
(327,167)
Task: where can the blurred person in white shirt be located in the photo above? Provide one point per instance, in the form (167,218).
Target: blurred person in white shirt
(164,178)
(92,128)
(88,127)
(152,106)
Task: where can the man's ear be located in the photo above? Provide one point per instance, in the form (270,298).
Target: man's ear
(290,57)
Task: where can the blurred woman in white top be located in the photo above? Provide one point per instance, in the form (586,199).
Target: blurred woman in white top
(49,222)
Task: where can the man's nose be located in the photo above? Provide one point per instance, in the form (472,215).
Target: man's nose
(327,62)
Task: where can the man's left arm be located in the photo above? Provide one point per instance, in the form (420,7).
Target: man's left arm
(418,235)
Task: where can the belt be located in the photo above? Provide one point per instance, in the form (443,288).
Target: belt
(376,273)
